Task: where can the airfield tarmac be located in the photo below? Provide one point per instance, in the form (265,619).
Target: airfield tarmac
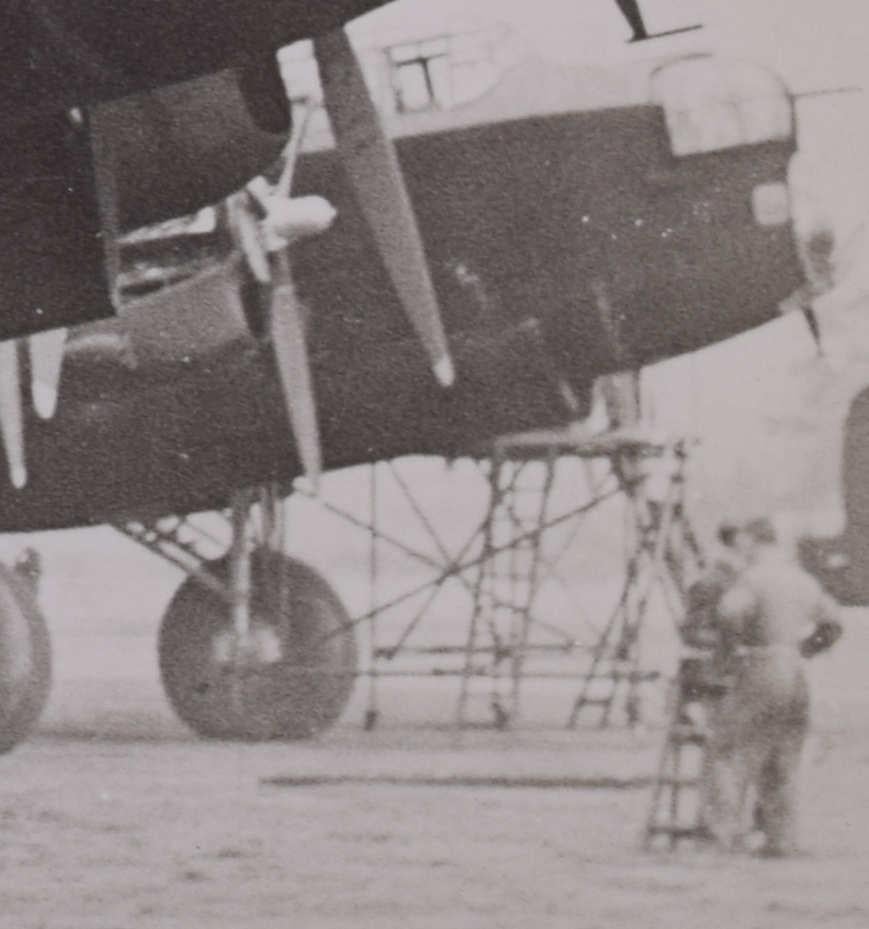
(114,816)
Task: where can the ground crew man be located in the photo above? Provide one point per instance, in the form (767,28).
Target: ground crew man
(701,629)
(704,668)
(773,617)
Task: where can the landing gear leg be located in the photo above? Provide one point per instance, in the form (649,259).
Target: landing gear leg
(264,649)
(240,573)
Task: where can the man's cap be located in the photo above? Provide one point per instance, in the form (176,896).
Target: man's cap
(727,532)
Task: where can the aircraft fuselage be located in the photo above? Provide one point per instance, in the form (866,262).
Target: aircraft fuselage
(561,247)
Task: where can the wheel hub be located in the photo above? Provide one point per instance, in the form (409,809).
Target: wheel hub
(260,646)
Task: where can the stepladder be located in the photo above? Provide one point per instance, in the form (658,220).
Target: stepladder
(662,554)
(505,588)
(677,811)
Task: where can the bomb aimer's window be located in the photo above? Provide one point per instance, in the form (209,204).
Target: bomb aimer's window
(712,104)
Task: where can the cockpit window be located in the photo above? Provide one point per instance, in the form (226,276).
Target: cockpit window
(419,73)
(712,104)
(436,73)
(445,71)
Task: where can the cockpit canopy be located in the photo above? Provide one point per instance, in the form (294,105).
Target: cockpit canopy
(434,74)
(445,71)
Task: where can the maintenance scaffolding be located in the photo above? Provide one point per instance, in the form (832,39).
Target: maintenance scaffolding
(560,557)
(562,510)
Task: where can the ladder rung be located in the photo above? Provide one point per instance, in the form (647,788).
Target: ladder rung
(681,832)
(687,736)
(678,782)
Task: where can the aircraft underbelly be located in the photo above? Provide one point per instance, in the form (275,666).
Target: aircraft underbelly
(179,438)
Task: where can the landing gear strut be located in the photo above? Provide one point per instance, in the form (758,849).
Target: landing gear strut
(254,645)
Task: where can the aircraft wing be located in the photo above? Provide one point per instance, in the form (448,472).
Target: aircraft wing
(119,116)
(59,54)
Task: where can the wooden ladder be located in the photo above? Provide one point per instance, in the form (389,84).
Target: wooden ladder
(676,813)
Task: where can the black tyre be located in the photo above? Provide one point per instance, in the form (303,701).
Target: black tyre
(25,660)
(296,693)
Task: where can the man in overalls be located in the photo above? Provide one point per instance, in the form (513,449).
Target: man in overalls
(701,628)
(705,667)
(773,617)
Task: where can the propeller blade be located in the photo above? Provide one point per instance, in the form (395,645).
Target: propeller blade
(105,166)
(294,368)
(46,362)
(11,419)
(372,167)
(264,246)
(246,233)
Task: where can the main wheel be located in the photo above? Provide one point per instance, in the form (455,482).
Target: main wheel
(301,668)
(25,660)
